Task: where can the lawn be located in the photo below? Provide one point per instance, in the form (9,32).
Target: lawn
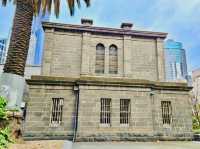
(196,131)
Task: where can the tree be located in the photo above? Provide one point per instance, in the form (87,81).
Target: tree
(21,31)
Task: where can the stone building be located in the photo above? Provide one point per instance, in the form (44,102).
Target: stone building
(104,84)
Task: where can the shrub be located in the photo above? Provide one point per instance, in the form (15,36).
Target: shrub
(5,132)
(3,103)
(5,138)
(195,123)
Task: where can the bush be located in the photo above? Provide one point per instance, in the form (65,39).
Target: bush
(3,103)
(195,123)
(5,138)
(5,132)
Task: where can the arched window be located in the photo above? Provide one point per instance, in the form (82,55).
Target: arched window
(100,58)
(113,59)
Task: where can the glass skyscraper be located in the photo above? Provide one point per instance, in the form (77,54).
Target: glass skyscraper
(36,40)
(175,61)
(3,50)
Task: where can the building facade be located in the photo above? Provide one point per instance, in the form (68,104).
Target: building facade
(175,64)
(3,50)
(105,84)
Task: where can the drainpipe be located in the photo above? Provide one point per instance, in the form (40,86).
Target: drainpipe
(76,91)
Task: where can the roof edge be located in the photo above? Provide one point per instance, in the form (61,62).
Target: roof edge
(104,30)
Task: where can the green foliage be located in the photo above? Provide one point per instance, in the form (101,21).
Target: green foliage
(3,104)
(5,132)
(5,138)
(195,123)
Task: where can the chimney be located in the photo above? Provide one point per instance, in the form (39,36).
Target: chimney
(127,26)
(87,22)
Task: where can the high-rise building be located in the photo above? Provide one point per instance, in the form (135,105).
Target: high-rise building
(36,40)
(3,50)
(175,61)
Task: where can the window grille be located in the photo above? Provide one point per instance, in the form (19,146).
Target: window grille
(105,113)
(166,112)
(100,58)
(56,112)
(113,60)
(125,111)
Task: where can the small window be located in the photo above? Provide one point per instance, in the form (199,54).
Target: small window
(56,112)
(113,60)
(105,113)
(166,112)
(125,111)
(100,58)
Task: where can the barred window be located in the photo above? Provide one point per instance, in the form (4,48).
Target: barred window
(113,60)
(166,112)
(100,58)
(56,112)
(105,114)
(125,111)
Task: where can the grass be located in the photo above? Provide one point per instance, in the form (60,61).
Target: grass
(197,131)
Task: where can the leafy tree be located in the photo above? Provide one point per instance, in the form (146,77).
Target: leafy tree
(21,31)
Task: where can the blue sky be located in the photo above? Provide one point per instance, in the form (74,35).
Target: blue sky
(179,18)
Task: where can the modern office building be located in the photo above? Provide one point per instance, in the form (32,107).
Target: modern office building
(3,50)
(36,40)
(175,61)
(102,84)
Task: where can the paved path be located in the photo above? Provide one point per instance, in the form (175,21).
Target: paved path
(105,145)
(138,145)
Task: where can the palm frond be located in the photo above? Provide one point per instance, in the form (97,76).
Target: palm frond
(78,3)
(4,2)
(87,2)
(49,5)
(39,6)
(57,7)
(71,6)
(44,6)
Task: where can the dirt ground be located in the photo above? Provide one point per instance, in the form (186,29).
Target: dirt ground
(55,144)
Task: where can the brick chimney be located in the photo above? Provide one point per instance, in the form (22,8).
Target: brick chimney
(87,22)
(127,26)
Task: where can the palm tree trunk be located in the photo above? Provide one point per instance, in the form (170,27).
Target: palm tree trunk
(19,44)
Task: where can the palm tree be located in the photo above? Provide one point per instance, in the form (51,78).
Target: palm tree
(21,31)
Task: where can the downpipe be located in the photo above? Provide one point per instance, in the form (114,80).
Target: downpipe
(76,91)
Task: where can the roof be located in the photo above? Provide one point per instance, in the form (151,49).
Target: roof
(104,30)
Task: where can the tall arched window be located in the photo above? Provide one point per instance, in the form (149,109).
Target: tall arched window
(113,59)
(100,58)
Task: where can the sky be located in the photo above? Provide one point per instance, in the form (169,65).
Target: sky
(179,18)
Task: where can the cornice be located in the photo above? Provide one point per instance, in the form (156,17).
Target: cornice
(101,81)
(104,30)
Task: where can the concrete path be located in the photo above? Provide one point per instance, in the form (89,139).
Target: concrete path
(56,144)
(138,145)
